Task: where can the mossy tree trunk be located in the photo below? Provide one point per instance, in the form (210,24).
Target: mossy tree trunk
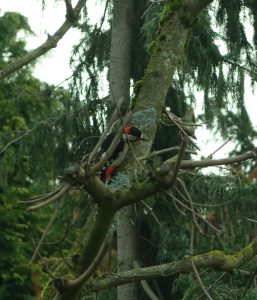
(167,53)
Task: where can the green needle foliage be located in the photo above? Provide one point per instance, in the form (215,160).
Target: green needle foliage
(44,128)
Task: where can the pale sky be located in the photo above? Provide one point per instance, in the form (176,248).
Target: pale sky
(54,66)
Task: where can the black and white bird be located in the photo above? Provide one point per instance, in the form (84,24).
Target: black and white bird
(130,134)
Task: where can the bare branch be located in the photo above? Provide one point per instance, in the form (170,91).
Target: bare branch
(178,162)
(110,123)
(35,199)
(146,287)
(190,164)
(140,191)
(155,153)
(170,196)
(184,130)
(50,43)
(200,281)
(213,259)
(110,150)
(220,147)
(189,200)
(66,187)
(251,220)
(64,285)
(212,285)
(192,238)
(15,140)
(44,235)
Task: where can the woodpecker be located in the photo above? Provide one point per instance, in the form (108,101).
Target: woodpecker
(130,134)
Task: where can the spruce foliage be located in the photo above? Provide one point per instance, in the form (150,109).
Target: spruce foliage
(44,128)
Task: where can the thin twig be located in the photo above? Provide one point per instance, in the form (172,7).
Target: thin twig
(214,152)
(249,283)
(212,285)
(213,205)
(189,200)
(136,158)
(146,11)
(110,150)
(171,196)
(179,124)
(178,161)
(151,212)
(200,281)
(15,140)
(251,220)
(43,237)
(100,142)
(192,237)
(178,209)
(155,153)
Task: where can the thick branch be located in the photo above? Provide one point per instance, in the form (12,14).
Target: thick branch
(190,164)
(215,259)
(67,288)
(88,258)
(140,190)
(50,43)
(176,22)
(99,191)
(167,51)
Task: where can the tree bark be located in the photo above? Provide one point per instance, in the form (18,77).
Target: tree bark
(120,61)
(216,259)
(120,56)
(166,55)
(127,251)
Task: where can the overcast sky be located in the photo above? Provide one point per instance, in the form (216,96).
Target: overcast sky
(54,66)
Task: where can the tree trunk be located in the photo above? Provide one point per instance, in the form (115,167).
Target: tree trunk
(167,52)
(120,56)
(120,61)
(127,251)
